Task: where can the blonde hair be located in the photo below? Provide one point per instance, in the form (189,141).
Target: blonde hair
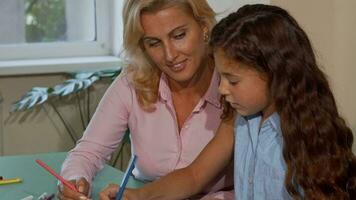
(143,73)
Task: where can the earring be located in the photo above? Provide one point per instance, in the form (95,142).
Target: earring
(206,37)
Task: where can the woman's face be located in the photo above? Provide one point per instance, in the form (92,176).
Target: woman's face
(174,41)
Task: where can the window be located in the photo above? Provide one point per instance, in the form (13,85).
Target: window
(36,21)
(51,32)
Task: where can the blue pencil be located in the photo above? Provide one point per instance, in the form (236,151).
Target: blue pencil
(126,177)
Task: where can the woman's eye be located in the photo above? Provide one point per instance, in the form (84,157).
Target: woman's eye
(179,36)
(153,44)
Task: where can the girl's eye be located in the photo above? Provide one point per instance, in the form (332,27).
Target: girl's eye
(233,82)
(179,36)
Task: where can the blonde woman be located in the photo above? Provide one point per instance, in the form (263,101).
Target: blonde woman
(167,97)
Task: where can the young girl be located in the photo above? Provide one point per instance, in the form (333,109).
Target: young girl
(290,141)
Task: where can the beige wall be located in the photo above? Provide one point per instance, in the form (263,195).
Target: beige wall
(39,130)
(36,133)
(331,26)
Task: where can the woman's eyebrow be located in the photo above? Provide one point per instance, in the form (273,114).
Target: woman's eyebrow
(148,38)
(178,27)
(145,37)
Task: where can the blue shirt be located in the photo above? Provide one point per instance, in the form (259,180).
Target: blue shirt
(259,163)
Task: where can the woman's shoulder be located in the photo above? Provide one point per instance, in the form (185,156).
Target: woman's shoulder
(123,79)
(122,85)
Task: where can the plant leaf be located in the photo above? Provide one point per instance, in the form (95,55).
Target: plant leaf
(109,72)
(83,75)
(35,96)
(80,81)
(74,85)
(63,89)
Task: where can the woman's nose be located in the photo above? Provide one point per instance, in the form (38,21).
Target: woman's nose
(171,52)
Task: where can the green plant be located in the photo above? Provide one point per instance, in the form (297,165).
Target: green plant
(78,86)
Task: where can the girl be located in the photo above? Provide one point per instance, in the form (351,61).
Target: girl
(290,141)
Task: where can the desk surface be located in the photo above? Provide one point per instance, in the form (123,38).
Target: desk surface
(36,181)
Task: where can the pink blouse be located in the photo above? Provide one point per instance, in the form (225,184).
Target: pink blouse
(155,137)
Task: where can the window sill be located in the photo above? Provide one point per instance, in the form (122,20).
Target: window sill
(58,65)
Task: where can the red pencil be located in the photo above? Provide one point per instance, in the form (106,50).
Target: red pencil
(61,179)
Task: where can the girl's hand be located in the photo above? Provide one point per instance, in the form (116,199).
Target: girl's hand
(109,193)
(82,185)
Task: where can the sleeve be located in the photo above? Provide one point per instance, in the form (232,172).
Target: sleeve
(103,134)
(223,195)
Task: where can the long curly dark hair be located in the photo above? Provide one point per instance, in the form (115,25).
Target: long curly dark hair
(317,143)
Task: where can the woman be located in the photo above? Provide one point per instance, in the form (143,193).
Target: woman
(167,97)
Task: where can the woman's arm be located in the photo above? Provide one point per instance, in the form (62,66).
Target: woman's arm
(103,134)
(188,181)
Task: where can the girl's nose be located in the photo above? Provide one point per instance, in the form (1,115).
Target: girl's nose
(223,87)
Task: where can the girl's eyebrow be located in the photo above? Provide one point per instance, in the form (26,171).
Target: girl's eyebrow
(228,74)
(225,74)
(170,33)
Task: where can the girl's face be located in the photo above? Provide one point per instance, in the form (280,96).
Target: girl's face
(243,87)
(174,41)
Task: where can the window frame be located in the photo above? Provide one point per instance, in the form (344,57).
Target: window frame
(37,58)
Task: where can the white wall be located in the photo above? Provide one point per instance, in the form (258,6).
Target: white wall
(331,27)
(224,7)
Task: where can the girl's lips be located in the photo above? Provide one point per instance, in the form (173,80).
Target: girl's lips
(234,105)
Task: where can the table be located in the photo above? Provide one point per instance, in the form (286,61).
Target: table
(36,180)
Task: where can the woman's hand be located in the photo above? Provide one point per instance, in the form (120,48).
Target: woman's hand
(109,193)
(82,185)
